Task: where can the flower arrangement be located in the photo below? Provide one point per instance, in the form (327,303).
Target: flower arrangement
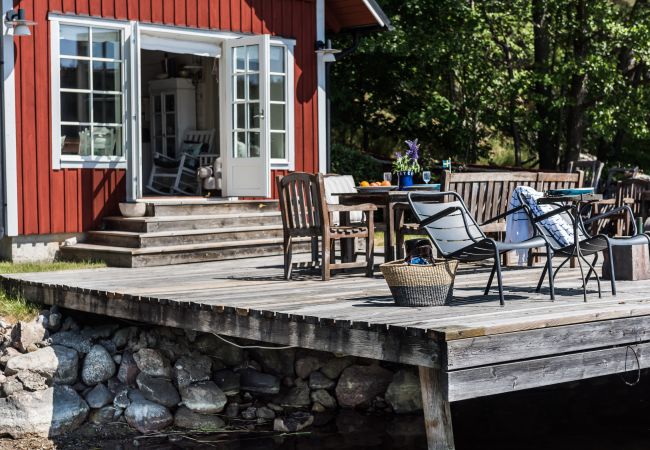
(408,162)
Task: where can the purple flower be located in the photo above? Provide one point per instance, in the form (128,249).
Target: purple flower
(412,152)
(398,155)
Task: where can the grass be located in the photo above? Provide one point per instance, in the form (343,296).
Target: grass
(14,308)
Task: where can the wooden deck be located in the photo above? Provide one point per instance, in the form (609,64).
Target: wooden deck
(469,349)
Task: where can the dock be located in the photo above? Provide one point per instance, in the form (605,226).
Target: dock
(472,348)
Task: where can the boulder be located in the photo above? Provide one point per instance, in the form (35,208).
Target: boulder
(249,413)
(294,422)
(7,354)
(121,337)
(204,397)
(232,410)
(159,390)
(191,369)
(306,365)
(104,415)
(128,371)
(319,381)
(324,398)
(262,383)
(72,339)
(228,381)
(334,366)
(265,413)
(54,320)
(25,335)
(211,345)
(99,396)
(33,381)
(57,363)
(98,366)
(99,331)
(188,419)
(11,385)
(403,393)
(153,363)
(147,417)
(297,396)
(359,385)
(122,399)
(45,413)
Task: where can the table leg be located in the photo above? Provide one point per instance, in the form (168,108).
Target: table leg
(348,250)
(389,235)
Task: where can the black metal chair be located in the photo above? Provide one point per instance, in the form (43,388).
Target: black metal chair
(588,244)
(457,236)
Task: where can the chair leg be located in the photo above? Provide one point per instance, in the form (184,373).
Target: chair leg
(592,269)
(497,265)
(489,284)
(325,267)
(541,279)
(333,251)
(549,267)
(370,255)
(399,245)
(287,257)
(612,274)
(314,250)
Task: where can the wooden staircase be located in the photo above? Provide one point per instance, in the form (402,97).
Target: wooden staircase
(185,231)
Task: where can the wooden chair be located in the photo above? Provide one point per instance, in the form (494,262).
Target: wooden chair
(306,213)
(591,169)
(631,192)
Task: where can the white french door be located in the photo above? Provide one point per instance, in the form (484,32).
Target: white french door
(244,125)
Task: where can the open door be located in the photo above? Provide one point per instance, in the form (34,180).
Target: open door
(245,129)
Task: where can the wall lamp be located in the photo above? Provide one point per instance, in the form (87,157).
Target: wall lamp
(16,21)
(329,53)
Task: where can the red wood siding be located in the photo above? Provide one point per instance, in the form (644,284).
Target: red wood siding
(75,200)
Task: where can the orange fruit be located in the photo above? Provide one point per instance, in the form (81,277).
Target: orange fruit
(385,183)
(364,184)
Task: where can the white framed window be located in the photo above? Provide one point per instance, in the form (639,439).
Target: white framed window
(282,102)
(89,92)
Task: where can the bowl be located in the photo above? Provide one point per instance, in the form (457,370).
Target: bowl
(134,209)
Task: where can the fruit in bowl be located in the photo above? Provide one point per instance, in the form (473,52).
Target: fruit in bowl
(375,184)
(364,184)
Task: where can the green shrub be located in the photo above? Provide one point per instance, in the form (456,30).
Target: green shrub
(350,161)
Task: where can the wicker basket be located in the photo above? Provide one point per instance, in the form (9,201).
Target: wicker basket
(420,285)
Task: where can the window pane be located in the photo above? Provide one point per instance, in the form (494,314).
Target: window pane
(240,116)
(73,40)
(253,58)
(171,146)
(254,140)
(107,43)
(253,87)
(107,108)
(277,88)
(277,117)
(254,118)
(278,147)
(107,76)
(157,124)
(240,58)
(74,74)
(277,59)
(170,103)
(239,143)
(75,140)
(107,141)
(75,107)
(157,104)
(240,87)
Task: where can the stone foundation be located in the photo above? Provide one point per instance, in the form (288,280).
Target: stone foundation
(41,247)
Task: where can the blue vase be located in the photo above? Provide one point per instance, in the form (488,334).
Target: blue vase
(405,179)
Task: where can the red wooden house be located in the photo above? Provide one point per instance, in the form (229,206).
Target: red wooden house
(101,88)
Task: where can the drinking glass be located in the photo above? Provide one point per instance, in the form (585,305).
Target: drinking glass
(388,176)
(426,176)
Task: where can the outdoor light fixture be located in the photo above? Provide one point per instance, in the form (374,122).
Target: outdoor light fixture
(329,53)
(16,21)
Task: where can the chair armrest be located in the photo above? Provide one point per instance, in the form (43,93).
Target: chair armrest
(504,215)
(350,208)
(612,212)
(161,156)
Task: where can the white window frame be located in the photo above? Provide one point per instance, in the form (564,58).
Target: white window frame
(289,162)
(62,161)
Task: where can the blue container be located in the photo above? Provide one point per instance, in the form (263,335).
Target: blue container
(405,179)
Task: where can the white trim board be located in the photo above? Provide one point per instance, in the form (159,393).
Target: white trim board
(322,89)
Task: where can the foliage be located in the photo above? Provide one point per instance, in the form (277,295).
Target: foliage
(408,161)
(545,78)
(351,161)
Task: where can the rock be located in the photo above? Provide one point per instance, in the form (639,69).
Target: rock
(228,381)
(333,367)
(33,381)
(159,390)
(99,396)
(147,417)
(265,413)
(319,381)
(26,334)
(186,418)
(117,359)
(359,385)
(277,362)
(72,339)
(99,331)
(297,397)
(54,321)
(128,371)
(121,337)
(7,354)
(403,394)
(211,345)
(153,363)
(204,397)
(45,413)
(69,324)
(276,408)
(108,345)
(232,410)
(121,399)
(136,395)
(98,366)
(306,365)
(258,382)
(57,363)
(295,422)
(318,408)
(249,413)
(191,369)
(324,398)
(11,385)
(104,415)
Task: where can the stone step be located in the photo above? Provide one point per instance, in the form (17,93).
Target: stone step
(132,239)
(192,222)
(177,254)
(181,207)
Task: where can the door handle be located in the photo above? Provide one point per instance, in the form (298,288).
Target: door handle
(259,116)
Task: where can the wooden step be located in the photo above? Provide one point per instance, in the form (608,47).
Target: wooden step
(177,254)
(176,207)
(132,239)
(192,222)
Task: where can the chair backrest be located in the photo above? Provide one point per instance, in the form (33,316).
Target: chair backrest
(451,232)
(340,184)
(616,174)
(202,136)
(592,171)
(630,192)
(302,202)
(486,194)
